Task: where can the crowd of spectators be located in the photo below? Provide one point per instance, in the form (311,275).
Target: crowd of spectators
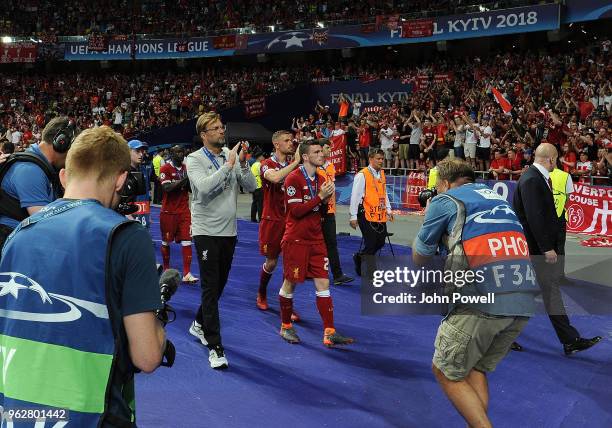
(193,17)
(129,103)
(563,99)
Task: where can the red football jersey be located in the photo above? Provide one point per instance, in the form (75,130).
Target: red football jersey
(177,201)
(273,193)
(429,133)
(303,223)
(501,163)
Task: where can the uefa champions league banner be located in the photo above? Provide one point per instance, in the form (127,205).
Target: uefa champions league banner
(146,49)
(587,10)
(493,23)
(485,24)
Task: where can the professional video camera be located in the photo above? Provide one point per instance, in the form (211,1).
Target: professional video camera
(168,284)
(425,195)
(134,185)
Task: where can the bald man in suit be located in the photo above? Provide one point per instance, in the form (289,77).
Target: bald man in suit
(535,208)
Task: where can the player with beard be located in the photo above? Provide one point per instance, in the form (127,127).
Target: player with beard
(303,245)
(175,216)
(272,225)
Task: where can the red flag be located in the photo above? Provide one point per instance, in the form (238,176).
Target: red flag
(503,103)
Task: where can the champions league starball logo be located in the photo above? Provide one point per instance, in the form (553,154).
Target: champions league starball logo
(292,38)
(303,40)
(14,285)
(498,215)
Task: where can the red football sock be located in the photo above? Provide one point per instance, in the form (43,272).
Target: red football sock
(264,279)
(165,252)
(186,259)
(326,309)
(286,309)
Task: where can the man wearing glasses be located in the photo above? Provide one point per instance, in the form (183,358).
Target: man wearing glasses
(215,174)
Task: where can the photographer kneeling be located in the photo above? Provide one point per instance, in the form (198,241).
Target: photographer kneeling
(80,295)
(482,235)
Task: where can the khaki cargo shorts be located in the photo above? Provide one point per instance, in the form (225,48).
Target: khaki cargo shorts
(403,151)
(469,339)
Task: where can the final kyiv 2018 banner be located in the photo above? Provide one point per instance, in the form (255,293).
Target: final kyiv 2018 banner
(498,22)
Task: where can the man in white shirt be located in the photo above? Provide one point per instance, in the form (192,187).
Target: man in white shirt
(16,136)
(370,208)
(356,109)
(483,151)
(386,143)
(117,117)
(338,131)
(470,141)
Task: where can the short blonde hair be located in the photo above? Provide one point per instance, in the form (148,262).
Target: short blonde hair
(205,120)
(453,169)
(278,134)
(98,152)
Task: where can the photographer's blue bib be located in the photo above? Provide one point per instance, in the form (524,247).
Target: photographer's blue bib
(56,337)
(488,239)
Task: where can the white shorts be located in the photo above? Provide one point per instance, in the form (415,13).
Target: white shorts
(470,150)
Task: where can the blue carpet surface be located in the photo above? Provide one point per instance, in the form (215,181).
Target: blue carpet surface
(383,380)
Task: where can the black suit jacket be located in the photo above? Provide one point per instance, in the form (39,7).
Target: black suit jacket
(535,208)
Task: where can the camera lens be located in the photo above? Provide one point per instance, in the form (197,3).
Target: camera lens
(425,195)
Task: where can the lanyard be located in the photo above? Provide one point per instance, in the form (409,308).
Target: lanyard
(46,213)
(312,193)
(211,157)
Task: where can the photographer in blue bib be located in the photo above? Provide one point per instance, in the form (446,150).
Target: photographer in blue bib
(82,310)
(473,225)
(29,181)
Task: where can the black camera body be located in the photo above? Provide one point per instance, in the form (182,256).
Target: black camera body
(425,195)
(134,186)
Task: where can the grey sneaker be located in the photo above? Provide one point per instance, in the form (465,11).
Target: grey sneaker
(289,335)
(196,330)
(331,338)
(216,358)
